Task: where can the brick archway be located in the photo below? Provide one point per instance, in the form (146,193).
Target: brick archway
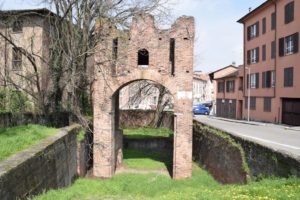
(176,75)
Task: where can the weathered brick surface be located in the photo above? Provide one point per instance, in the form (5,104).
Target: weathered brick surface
(109,79)
(48,165)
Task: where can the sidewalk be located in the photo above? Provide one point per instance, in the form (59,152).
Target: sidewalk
(283,126)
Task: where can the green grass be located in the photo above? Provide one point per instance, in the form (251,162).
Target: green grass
(153,186)
(147,132)
(16,139)
(147,160)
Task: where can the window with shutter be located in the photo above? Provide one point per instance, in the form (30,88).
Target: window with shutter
(257,80)
(273,78)
(16,58)
(289,12)
(281,47)
(257,54)
(264,24)
(263,79)
(267,104)
(252,103)
(288,77)
(273,49)
(273,21)
(253,31)
(264,52)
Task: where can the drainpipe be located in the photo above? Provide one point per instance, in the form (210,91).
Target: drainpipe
(275,62)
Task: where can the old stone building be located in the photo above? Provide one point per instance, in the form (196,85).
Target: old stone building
(28,31)
(142,53)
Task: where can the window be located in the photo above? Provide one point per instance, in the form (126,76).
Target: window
(220,87)
(16,59)
(253,31)
(273,21)
(273,51)
(264,52)
(115,49)
(289,12)
(17,26)
(267,104)
(288,77)
(172,55)
(268,79)
(143,58)
(252,103)
(253,56)
(289,45)
(230,86)
(264,25)
(254,80)
(273,78)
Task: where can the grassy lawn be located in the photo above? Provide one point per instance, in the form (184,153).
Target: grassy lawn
(153,186)
(147,132)
(13,140)
(146,160)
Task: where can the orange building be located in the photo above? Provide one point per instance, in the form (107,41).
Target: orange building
(272,62)
(229,91)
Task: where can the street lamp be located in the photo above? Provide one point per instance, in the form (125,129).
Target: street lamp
(249,91)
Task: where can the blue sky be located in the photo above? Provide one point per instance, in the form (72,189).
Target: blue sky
(219,38)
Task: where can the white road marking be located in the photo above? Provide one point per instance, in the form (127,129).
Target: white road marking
(268,141)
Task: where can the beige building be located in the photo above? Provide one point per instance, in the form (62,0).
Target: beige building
(272,62)
(25,53)
(203,88)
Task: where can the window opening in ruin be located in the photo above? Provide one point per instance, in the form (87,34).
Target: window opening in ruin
(143,58)
(172,56)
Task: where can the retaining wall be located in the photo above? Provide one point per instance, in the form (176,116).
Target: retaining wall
(224,156)
(51,164)
(151,144)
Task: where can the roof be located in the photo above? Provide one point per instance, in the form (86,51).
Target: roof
(263,5)
(40,11)
(235,69)
(202,77)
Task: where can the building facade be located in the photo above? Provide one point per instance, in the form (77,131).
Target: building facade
(229,92)
(203,88)
(23,43)
(272,62)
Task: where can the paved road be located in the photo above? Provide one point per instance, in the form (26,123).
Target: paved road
(269,135)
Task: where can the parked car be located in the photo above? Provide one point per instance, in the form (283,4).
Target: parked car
(200,109)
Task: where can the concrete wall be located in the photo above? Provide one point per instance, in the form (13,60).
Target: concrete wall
(226,157)
(51,164)
(143,118)
(152,144)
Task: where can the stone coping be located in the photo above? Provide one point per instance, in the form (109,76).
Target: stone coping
(20,157)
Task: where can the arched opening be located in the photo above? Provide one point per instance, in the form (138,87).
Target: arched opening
(143,58)
(144,127)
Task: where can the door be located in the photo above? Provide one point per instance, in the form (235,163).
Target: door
(291,112)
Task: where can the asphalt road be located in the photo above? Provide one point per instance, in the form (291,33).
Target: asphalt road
(274,136)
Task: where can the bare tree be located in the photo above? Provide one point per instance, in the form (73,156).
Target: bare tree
(71,40)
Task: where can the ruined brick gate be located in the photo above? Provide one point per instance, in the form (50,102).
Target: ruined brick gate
(142,53)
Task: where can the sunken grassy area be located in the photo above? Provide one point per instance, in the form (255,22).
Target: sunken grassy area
(147,159)
(153,186)
(16,139)
(147,132)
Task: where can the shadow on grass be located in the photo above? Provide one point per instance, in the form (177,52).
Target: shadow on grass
(145,159)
